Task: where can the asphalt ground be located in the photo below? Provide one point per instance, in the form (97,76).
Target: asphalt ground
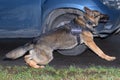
(110,46)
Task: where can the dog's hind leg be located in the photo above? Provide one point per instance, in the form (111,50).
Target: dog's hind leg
(31,62)
(38,57)
(43,56)
(88,40)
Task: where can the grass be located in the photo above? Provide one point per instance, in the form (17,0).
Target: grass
(50,73)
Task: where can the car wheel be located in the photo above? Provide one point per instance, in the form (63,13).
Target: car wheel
(59,21)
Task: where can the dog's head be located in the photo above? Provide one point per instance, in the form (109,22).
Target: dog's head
(94,17)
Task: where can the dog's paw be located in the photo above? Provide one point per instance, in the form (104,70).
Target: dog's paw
(32,64)
(42,67)
(38,67)
(108,58)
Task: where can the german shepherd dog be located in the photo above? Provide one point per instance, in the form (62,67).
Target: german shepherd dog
(40,49)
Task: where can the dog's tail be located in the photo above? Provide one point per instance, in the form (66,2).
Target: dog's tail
(20,51)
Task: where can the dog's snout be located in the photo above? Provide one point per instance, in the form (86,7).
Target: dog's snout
(104,18)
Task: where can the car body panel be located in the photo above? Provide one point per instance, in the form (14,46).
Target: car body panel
(20,18)
(103,30)
(24,18)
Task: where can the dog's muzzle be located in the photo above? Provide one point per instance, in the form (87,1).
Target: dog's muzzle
(104,18)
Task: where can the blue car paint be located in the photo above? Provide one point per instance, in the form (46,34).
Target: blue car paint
(24,18)
(55,4)
(20,18)
(79,4)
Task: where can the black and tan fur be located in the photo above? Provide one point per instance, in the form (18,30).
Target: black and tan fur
(40,51)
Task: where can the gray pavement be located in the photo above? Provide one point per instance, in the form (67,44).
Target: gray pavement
(110,46)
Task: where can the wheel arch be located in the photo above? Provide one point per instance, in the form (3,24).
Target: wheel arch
(48,8)
(58,12)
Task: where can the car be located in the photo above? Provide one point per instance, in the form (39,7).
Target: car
(30,18)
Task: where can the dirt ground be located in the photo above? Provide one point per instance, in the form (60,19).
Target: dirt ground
(110,46)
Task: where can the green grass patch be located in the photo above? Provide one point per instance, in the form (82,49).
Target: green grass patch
(51,73)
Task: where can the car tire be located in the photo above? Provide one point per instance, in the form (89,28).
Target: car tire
(59,21)
(58,18)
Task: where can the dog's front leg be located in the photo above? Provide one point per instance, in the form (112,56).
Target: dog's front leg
(88,40)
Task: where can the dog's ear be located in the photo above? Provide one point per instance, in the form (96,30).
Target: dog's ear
(87,10)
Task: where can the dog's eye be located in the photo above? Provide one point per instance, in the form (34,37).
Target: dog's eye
(96,16)
(90,23)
